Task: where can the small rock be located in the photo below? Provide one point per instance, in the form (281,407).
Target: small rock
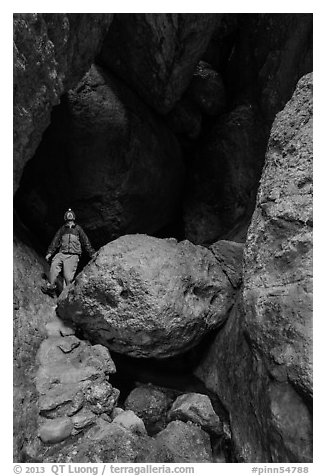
(82,419)
(151,405)
(54,431)
(197,408)
(102,397)
(116,411)
(129,420)
(56,328)
(186,443)
(69,343)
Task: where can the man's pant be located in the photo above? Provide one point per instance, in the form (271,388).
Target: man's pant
(66,262)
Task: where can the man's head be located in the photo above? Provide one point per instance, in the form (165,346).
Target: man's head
(69,216)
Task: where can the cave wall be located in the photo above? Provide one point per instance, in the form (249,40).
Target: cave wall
(32,310)
(107,156)
(172,136)
(260,364)
(51,53)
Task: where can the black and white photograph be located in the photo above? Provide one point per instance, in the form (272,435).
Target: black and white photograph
(162,241)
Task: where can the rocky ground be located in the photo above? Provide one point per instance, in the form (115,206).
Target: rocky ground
(183,142)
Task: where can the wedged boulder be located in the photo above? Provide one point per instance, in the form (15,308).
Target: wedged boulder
(149,297)
(264,352)
(197,408)
(224,175)
(151,405)
(51,53)
(207,90)
(125,166)
(156,54)
(185,443)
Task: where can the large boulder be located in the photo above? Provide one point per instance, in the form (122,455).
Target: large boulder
(51,53)
(223,176)
(109,158)
(260,364)
(149,297)
(156,53)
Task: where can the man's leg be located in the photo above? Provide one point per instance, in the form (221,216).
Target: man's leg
(70,263)
(55,269)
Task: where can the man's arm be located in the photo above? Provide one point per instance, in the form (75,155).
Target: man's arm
(55,243)
(85,242)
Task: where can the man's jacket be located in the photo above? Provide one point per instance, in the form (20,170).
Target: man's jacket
(71,240)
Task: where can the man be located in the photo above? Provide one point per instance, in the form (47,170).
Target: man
(70,239)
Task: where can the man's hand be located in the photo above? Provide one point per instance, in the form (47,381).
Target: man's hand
(48,257)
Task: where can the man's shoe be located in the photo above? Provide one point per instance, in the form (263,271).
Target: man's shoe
(48,289)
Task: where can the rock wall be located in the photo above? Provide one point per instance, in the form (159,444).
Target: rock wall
(32,310)
(107,157)
(156,54)
(160,126)
(271,53)
(51,52)
(260,364)
(267,56)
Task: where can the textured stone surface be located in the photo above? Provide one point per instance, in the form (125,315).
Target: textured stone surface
(156,53)
(108,442)
(32,310)
(151,405)
(107,157)
(149,297)
(229,255)
(186,443)
(128,419)
(264,352)
(54,431)
(197,408)
(224,175)
(278,256)
(73,375)
(51,52)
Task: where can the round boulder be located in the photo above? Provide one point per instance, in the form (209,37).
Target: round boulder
(185,443)
(197,408)
(149,297)
(151,405)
